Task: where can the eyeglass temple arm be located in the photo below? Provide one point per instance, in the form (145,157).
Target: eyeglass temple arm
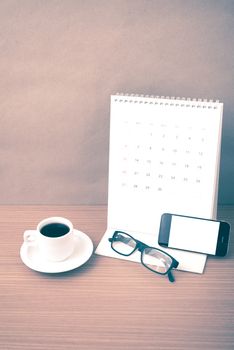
(171,277)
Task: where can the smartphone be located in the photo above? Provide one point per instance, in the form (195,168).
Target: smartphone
(194,234)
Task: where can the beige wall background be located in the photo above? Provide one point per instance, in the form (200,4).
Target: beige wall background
(61,60)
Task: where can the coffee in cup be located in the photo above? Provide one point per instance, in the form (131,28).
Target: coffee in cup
(54,230)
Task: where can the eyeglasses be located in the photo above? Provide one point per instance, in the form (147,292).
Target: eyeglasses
(154,259)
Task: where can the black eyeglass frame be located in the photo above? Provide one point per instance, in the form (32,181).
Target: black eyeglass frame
(141,247)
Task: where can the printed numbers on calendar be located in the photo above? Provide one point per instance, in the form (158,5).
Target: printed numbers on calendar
(179,161)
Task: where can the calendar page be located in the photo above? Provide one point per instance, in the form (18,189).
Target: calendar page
(164,157)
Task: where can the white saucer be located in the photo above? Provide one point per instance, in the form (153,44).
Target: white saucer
(83,250)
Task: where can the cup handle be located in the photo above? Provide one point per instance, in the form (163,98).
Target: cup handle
(30,237)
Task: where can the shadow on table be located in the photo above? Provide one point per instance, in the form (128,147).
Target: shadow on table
(89,265)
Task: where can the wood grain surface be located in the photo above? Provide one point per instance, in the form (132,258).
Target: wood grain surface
(109,303)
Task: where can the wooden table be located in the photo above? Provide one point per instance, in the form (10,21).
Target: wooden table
(109,303)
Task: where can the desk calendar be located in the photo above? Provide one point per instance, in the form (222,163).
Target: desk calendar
(164,157)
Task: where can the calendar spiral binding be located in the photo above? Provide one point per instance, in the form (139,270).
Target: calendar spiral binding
(166,100)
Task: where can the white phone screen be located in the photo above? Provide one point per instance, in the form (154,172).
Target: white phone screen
(194,234)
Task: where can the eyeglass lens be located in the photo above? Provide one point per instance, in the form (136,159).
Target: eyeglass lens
(123,243)
(156,260)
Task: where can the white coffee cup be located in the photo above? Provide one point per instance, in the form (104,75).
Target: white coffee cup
(54,237)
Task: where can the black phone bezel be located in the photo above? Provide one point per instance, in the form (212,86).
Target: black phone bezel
(164,229)
(223,239)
